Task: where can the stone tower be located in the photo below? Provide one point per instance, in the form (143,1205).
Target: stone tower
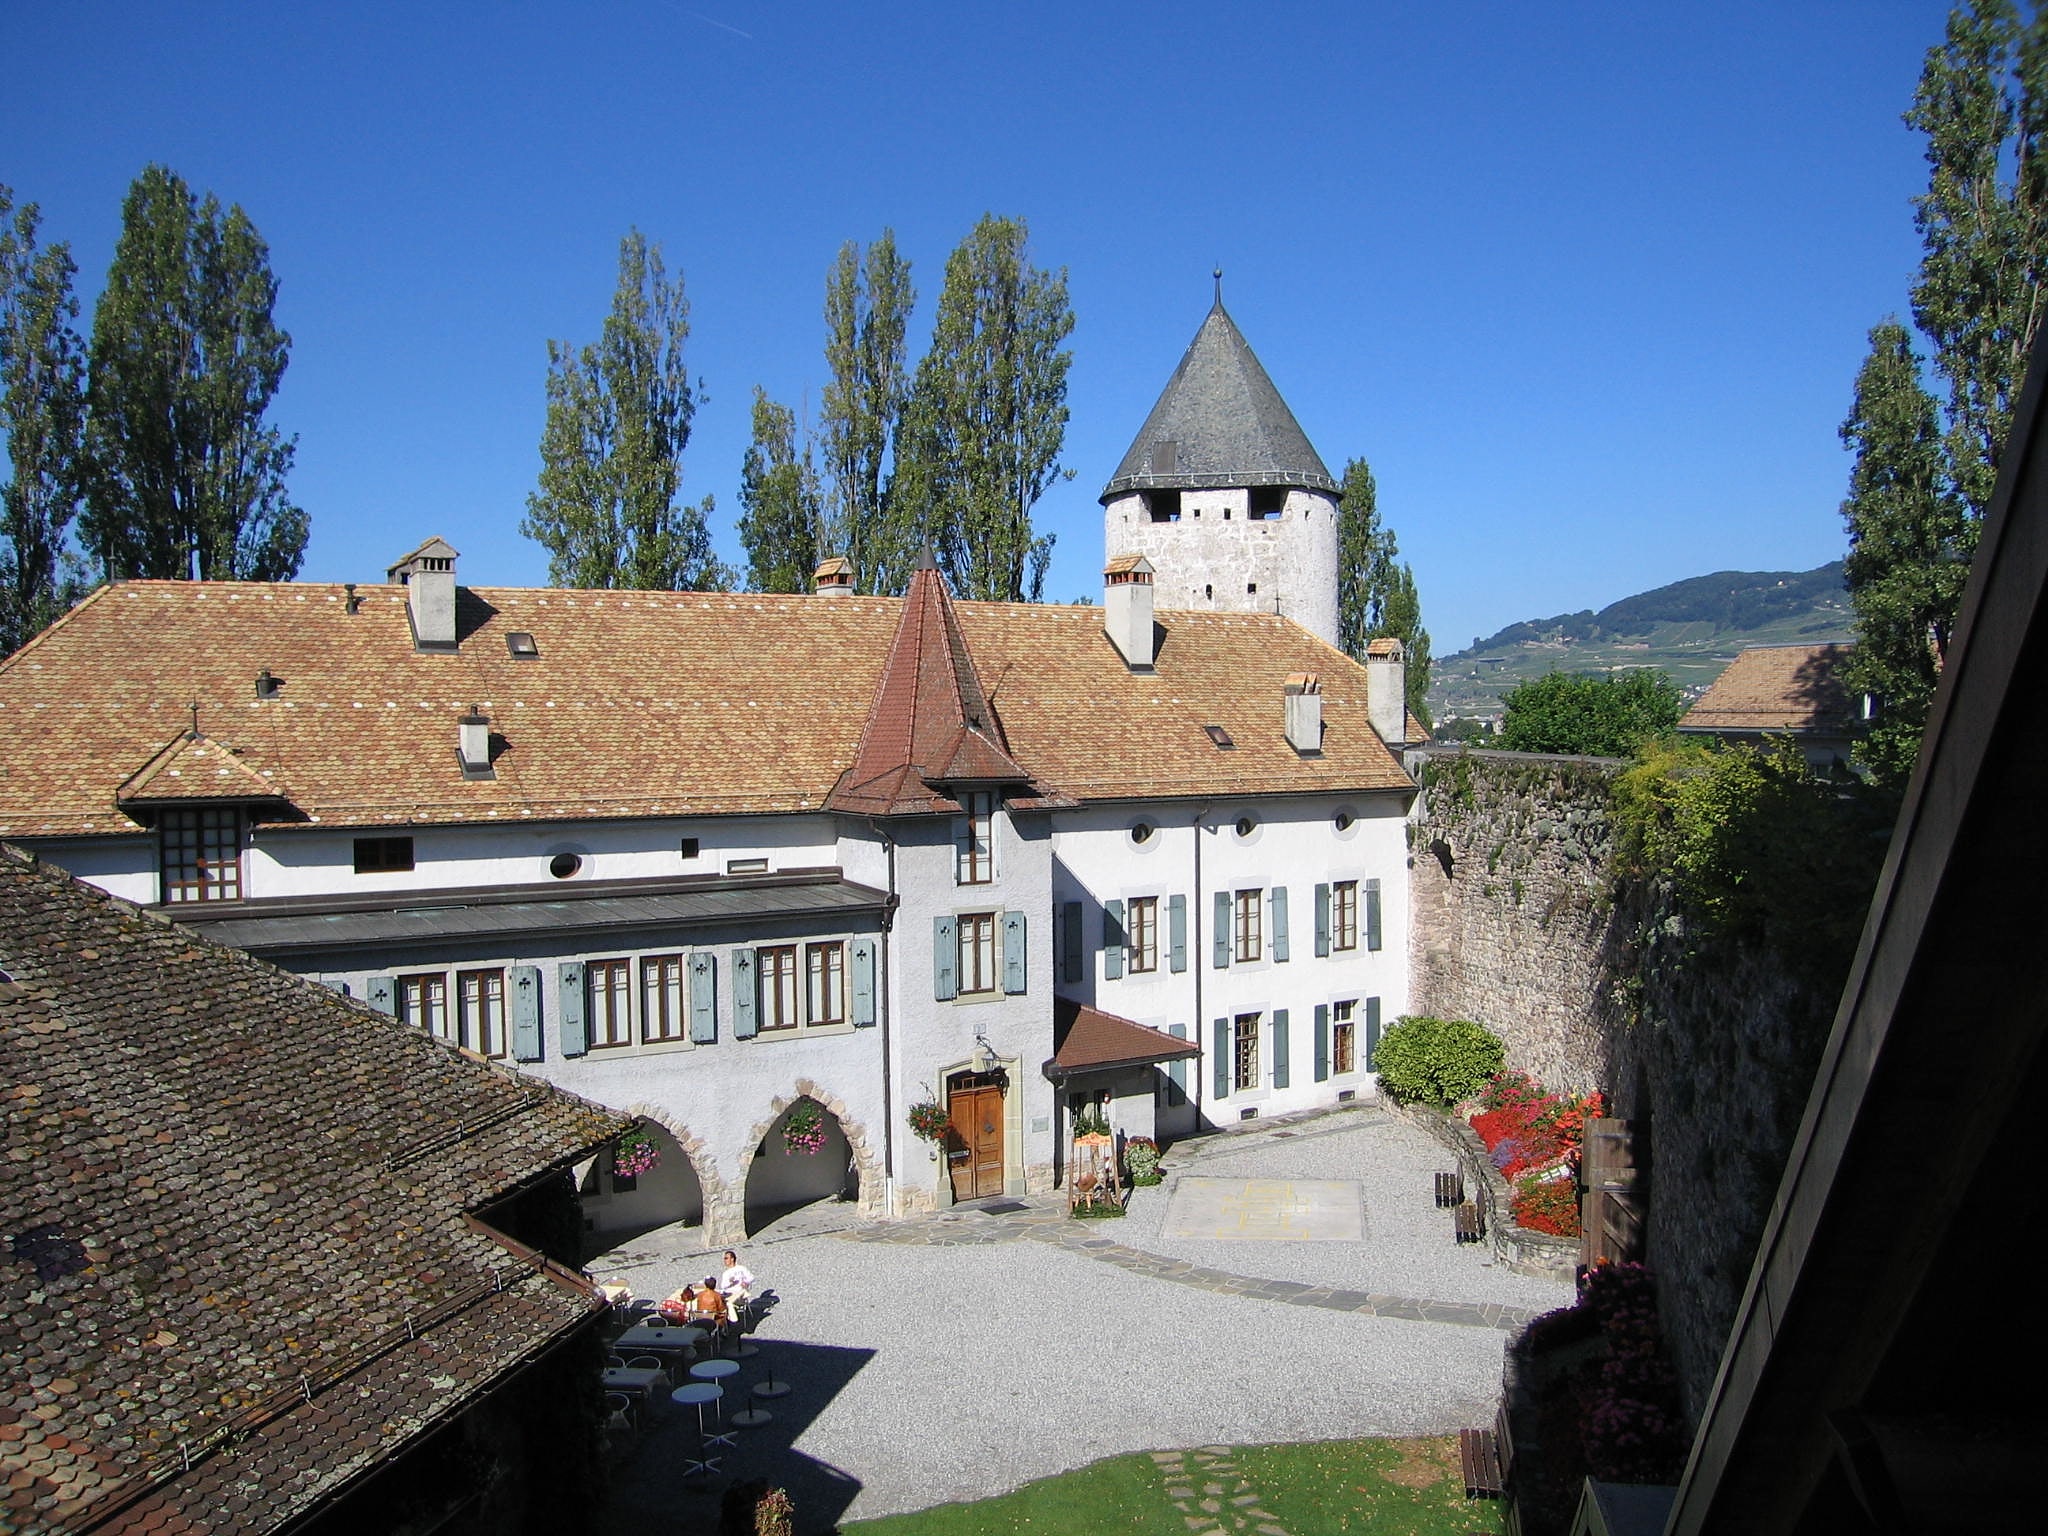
(1223,494)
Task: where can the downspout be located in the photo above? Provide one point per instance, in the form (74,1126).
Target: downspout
(1199,1028)
(885,980)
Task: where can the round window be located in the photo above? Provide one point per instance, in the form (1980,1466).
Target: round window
(1343,821)
(563,865)
(1142,832)
(1245,826)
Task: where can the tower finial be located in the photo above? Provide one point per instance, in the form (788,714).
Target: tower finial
(1219,287)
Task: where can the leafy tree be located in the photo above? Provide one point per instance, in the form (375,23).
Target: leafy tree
(986,416)
(1376,594)
(1598,716)
(1910,538)
(868,300)
(611,451)
(42,416)
(779,503)
(188,480)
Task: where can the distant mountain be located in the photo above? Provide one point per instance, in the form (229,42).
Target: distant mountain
(1690,628)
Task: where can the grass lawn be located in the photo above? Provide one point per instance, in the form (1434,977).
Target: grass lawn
(1378,1487)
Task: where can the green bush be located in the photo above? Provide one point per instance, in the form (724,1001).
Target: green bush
(1436,1061)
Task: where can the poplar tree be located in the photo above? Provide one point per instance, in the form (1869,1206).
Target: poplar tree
(1376,594)
(868,300)
(985,420)
(779,503)
(42,417)
(618,419)
(187,478)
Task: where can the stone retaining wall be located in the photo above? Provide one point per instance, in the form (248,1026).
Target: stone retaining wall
(1523,1251)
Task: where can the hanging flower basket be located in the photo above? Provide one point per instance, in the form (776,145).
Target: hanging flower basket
(804,1130)
(929,1122)
(635,1153)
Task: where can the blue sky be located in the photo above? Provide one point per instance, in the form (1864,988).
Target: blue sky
(1586,284)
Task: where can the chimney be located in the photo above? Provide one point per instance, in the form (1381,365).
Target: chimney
(1305,712)
(473,744)
(428,575)
(833,578)
(1386,690)
(1127,609)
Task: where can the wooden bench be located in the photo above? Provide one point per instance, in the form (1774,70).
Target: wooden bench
(1479,1455)
(1465,1223)
(1450,1189)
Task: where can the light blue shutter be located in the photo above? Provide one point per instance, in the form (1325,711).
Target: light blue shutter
(746,1018)
(1015,973)
(1322,920)
(1221,1035)
(381,993)
(1177,1071)
(863,983)
(574,1019)
(1322,1042)
(703,998)
(1279,923)
(945,960)
(526,1036)
(1372,914)
(1372,1029)
(1112,939)
(1177,933)
(1077,949)
(1280,1077)
(1222,944)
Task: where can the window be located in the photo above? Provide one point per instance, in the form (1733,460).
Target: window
(1267,502)
(202,855)
(480,1011)
(690,847)
(778,987)
(1248,934)
(423,1002)
(1344,915)
(1163,506)
(977,952)
(1343,1037)
(825,983)
(564,866)
(663,1013)
(1143,934)
(383,855)
(1244,1054)
(973,832)
(611,1012)
(746,866)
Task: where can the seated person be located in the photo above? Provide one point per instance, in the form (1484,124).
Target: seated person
(736,1284)
(706,1305)
(675,1307)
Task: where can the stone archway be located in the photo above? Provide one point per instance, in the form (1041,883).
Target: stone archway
(778,1182)
(684,1187)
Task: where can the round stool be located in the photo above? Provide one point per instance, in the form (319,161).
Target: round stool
(697,1394)
(771,1388)
(710,1371)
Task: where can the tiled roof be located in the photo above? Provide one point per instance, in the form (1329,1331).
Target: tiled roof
(1225,422)
(224,1187)
(194,768)
(1091,1040)
(639,703)
(1795,689)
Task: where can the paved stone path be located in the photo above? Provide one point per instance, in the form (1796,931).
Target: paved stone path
(1211,1496)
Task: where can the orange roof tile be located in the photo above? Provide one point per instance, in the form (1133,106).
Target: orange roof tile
(190,767)
(1778,688)
(1091,1040)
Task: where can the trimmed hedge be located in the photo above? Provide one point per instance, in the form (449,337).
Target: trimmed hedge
(1422,1060)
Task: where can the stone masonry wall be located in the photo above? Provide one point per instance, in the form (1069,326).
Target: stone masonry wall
(1523,923)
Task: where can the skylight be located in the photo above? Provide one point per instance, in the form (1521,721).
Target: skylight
(1219,736)
(521,644)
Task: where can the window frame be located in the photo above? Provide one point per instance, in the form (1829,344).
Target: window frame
(1244,1052)
(1247,929)
(199,873)
(826,1004)
(1141,934)
(608,997)
(971,982)
(775,972)
(1343,914)
(480,1026)
(381,855)
(1343,1037)
(422,1001)
(974,839)
(665,999)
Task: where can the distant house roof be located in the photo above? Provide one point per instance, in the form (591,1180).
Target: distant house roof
(1219,422)
(1780,689)
(650,703)
(234,1256)
(1090,1040)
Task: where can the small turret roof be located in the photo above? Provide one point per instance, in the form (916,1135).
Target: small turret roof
(1225,421)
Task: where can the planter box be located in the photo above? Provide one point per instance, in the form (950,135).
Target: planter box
(1523,1251)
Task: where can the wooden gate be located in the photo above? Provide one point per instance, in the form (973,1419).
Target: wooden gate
(974,1151)
(1611,1195)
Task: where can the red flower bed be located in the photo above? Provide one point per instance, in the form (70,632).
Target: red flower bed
(1525,1129)
(1547,1205)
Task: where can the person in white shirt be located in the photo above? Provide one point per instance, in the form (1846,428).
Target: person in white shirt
(736,1285)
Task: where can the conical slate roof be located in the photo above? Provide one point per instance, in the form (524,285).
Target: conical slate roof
(1219,422)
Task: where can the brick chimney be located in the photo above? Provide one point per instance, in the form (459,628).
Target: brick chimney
(833,578)
(1386,690)
(1127,609)
(1304,694)
(428,576)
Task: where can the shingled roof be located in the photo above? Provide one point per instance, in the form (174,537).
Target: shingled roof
(1089,1040)
(638,703)
(1791,690)
(235,1256)
(1219,422)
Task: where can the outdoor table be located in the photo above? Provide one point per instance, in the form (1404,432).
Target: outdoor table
(647,1336)
(697,1394)
(709,1372)
(630,1378)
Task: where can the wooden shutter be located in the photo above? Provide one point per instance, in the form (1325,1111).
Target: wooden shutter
(527,1042)
(1322,1042)
(703,998)
(1322,920)
(571,1013)
(1176,933)
(945,959)
(1372,914)
(1076,959)
(746,996)
(1221,1035)
(1279,923)
(863,983)
(381,993)
(1015,972)
(1112,939)
(1222,944)
(1177,1071)
(1372,1029)
(1280,1075)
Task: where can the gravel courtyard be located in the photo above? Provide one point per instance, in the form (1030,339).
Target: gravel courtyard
(960,1355)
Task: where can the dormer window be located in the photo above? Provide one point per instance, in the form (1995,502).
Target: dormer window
(201,853)
(974,834)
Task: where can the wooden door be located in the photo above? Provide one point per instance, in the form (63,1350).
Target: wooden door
(975,1152)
